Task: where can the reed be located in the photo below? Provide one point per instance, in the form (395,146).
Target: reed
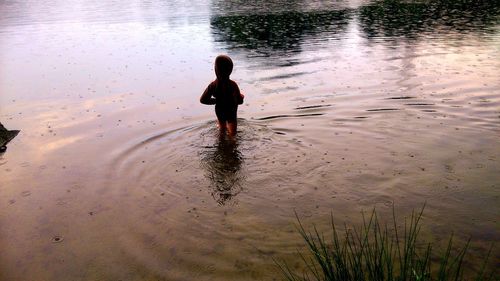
(375,251)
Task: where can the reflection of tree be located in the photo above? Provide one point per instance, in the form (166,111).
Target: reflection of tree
(222,163)
(395,18)
(278,34)
(279,29)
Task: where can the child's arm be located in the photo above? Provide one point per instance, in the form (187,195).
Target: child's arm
(240,100)
(239,95)
(206,97)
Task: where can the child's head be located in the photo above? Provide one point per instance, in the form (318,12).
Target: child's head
(223,66)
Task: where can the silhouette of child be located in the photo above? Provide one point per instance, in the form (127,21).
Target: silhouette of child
(225,94)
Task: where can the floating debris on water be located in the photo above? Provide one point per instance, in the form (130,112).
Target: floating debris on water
(57,239)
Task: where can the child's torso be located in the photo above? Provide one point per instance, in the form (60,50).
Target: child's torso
(225,93)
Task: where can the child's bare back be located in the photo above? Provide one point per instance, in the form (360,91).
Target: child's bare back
(225,94)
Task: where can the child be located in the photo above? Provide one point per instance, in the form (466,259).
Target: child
(225,94)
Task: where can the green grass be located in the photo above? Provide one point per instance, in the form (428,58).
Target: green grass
(376,251)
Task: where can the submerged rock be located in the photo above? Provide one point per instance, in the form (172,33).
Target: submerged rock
(6,136)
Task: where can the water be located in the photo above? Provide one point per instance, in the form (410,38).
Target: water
(118,173)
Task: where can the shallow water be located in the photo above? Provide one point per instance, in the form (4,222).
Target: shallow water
(119,174)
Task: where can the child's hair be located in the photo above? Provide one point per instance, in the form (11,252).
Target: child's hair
(224,65)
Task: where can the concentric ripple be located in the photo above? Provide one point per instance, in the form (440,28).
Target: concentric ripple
(203,189)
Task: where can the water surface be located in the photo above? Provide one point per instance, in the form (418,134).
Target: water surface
(119,174)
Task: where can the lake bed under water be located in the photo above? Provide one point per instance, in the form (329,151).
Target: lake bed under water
(119,174)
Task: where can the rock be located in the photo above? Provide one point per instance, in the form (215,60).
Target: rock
(6,136)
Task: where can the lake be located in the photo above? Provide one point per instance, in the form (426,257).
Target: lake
(118,172)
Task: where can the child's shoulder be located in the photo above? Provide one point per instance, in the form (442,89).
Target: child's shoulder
(212,84)
(233,83)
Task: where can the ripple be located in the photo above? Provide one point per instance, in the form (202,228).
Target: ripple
(281,116)
(419,104)
(189,180)
(383,109)
(312,106)
(286,76)
(193,161)
(400,98)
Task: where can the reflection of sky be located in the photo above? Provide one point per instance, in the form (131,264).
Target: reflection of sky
(172,13)
(66,59)
(83,49)
(73,52)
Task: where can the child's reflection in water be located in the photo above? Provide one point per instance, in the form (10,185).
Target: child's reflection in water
(222,163)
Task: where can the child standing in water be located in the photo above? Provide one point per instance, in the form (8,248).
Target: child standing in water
(225,94)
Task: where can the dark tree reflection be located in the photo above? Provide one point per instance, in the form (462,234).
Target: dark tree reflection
(281,28)
(222,163)
(278,34)
(393,19)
